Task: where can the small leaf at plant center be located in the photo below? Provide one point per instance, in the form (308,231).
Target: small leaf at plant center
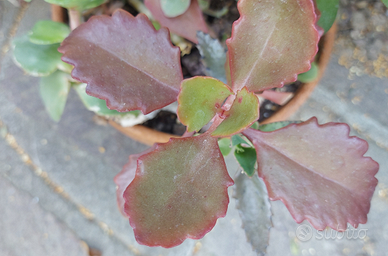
(318,171)
(199,100)
(173,8)
(244,111)
(53,91)
(179,191)
(48,32)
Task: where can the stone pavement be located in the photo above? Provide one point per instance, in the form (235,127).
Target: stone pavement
(56,179)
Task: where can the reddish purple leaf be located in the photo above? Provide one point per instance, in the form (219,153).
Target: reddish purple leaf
(272,42)
(279,98)
(318,171)
(125,177)
(179,191)
(185,25)
(125,61)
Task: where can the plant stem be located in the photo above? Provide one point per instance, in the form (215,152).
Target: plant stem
(220,117)
(74,18)
(141,8)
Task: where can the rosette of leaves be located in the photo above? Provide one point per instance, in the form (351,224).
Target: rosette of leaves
(178,189)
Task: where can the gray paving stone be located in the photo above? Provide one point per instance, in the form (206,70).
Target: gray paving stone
(28,230)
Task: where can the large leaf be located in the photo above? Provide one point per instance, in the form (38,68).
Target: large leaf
(255,211)
(77,4)
(328,9)
(213,56)
(125,177)
(48,32)
(173,8)
(54,90)
(272,42)
(199,100)
(179,191)
(318,171)
(125,61)
(36,60)
(385,2)
(185,25)
(244,111)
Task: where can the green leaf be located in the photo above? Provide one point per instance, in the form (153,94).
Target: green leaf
(213,56)
(255,125)
(199,100)
(225,146)
(97,105)
(246,157)
(36,60)
(48,32)
(244,111)
(54,90)
(385,2)
(310,75)
(77,4)
(275,126)
(236,139)
(328,9)
(174,8)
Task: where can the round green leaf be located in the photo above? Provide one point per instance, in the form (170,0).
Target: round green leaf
(244,111)
(48,32)
(78,4)
(54,90)
(173,8)
(328,9)
(36,60)
(97,105)
(310,75)
(199,100)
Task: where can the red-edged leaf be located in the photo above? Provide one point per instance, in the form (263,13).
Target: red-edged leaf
(179,191)
(125,61)
(125,177)
(272,42)
(185,25)
(279,98)
(318,171)
(199,100)
(243,113)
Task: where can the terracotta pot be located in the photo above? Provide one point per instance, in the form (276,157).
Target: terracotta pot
(149,136)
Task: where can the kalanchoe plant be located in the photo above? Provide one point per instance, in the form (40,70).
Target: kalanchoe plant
(178,190)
